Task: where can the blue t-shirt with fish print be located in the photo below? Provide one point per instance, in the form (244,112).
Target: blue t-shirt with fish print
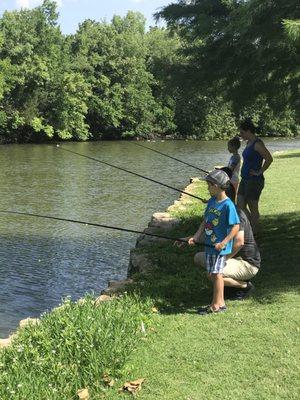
(219,217)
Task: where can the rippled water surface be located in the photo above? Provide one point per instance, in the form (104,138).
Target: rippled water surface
(43,261)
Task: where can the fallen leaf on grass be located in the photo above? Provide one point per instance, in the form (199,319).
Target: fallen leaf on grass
(132,386)
(108,380)
(83,394)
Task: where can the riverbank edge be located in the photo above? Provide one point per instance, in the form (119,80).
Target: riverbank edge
(149,139)
(162,222)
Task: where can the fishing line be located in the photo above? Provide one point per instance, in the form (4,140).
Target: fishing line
(96,225)
(173,158)
(130,172)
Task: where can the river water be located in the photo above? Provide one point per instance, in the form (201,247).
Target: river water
(43,261)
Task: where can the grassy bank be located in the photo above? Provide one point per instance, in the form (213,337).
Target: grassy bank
(78,345)
(249,352)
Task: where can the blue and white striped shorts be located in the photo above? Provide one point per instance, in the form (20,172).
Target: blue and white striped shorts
(215,263)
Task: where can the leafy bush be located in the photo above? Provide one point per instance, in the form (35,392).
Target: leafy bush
(72,348)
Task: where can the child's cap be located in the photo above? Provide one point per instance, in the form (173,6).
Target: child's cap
(218,177)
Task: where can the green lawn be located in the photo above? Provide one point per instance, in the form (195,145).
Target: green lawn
(249,352)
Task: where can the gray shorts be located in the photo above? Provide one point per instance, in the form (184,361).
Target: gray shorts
(251,189)
(235,268)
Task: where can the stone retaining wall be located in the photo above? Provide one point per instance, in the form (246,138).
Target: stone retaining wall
(161,222)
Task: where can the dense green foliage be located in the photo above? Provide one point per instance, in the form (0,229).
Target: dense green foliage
(246,52)
(216,62)
(95,83)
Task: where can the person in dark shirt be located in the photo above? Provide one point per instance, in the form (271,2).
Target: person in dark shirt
(242,263)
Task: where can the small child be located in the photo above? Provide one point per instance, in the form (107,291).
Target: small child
(220,224)
(235,161)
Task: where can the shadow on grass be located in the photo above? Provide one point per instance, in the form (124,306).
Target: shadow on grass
(291,155)
(176,285)
(280,250)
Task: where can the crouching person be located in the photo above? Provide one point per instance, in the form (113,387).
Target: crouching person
(220,226)
(242,264)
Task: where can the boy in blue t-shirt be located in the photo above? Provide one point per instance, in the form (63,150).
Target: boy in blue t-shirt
(220,224)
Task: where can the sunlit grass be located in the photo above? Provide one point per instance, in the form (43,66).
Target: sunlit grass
(72,348)
(249,352)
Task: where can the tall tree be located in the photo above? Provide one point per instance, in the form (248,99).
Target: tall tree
(240,49)
(113,59)
(33,51)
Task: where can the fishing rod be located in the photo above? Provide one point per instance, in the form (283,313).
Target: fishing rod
(130,172)
(116,228)
(173,158)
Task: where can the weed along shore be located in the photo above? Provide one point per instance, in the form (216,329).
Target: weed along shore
(143,334)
